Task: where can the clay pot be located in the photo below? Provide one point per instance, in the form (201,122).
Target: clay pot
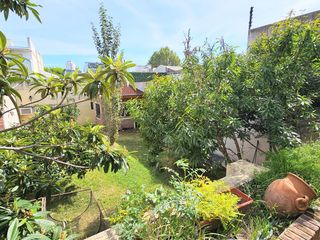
(289,195)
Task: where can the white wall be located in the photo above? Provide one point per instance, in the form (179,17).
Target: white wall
(11,118)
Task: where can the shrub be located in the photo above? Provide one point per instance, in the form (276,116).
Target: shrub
(216,202)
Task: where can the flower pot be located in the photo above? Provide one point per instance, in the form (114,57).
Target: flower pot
(245,200)
(289,195)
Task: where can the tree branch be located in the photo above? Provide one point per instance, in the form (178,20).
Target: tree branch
(53,159)
(32,146)
(24,105)
(43,114)
(248,141)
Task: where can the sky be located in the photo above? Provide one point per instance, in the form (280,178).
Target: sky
(146,25)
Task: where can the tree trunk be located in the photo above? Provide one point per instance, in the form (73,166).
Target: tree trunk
(239,155)
(112,115)
(223,149)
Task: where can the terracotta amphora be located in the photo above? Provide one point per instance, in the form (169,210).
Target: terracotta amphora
(289,195)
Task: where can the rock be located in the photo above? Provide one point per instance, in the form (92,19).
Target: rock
(241,172)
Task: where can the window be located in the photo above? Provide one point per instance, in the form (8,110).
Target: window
(98,112)
(91,105)
(26,111)
(124,112)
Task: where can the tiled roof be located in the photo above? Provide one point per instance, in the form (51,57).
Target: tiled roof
(128,91)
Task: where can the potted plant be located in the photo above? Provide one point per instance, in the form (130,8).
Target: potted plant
(218,203)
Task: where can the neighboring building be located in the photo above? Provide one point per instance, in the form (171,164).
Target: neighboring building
(34,62)
(10,118)
(160,69)
(168,69)
(267,29)
(70,67)
(128,93)
(91,65)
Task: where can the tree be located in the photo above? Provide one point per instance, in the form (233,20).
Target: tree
(164,56)
(38,154)
(191,116)
(283,82)
(270,91)
(108,41)
(21,8)
(111,78)
(107,45)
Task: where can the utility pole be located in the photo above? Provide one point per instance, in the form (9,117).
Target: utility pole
(250,24)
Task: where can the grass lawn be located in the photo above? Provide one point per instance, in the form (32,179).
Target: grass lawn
(109,187)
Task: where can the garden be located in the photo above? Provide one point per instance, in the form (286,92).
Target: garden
(163,181)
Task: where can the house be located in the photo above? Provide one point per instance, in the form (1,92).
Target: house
(267,29)
(34,62)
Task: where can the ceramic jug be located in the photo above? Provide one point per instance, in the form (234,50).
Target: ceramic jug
(289,195)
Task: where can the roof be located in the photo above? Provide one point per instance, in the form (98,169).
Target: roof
(145,76)
(128,91)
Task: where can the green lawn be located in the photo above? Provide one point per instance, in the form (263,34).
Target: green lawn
(109,187)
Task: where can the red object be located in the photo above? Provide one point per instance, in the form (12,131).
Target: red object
(245,199)
(289,195)
(128,92)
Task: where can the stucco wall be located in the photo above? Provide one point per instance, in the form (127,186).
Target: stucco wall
(10,118)
(87,115)
(267,29)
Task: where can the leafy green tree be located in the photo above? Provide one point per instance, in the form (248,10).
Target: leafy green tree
(165,56)
(269,91)
(38,154)
(107,45)
(191,116)
(111,78)
(108,41)
(21,8)
(283,80)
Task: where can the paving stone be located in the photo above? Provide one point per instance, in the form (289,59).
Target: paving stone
(108,234)
(306,227)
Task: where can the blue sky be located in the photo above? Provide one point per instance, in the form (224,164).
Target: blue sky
(146,25)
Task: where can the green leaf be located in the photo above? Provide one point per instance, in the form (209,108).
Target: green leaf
(13,231)
(35,14)
(3,41)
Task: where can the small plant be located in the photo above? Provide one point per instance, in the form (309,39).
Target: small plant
(258,228)
(22,220)
(216,202)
